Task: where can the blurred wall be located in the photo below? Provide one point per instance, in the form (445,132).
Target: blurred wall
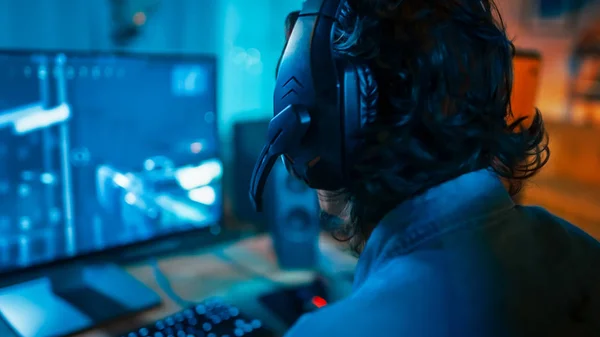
(554,39)
(569,185)
(177,25)
(253,38)
(42,24)
(575,155)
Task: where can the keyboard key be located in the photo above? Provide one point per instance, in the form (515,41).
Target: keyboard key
(212,318)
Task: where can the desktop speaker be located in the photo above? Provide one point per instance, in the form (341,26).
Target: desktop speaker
(248,140)
(292,211)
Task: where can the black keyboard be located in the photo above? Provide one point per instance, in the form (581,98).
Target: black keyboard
(211,318)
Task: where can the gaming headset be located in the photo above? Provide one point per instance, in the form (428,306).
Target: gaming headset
(320,102)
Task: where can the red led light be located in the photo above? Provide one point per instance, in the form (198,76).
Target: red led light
(318,301)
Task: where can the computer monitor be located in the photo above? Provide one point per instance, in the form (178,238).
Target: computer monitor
(135,162)
(27,157)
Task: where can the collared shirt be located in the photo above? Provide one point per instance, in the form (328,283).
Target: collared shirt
(463,260)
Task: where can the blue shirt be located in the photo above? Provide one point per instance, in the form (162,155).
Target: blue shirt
(463,260)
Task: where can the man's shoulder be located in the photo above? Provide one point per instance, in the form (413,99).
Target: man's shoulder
(547,245)
(552,224)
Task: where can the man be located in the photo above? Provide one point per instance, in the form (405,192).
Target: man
(443,249)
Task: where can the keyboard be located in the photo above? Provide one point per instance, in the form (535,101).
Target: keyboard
(211,318)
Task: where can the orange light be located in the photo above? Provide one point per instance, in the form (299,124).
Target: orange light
(318,301)
(139,18)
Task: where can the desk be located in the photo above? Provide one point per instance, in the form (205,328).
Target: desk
(239,272)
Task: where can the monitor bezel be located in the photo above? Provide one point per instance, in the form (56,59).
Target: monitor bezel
(148,248)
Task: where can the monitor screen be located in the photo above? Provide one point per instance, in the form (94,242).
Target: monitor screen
(23,158)
(138,159)
(19,79)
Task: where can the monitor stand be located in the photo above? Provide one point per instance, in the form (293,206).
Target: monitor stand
(71,299)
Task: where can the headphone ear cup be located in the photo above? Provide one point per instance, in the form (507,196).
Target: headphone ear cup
(361,97)
(369,94)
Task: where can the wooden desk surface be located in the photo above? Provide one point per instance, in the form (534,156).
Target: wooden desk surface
(238,272)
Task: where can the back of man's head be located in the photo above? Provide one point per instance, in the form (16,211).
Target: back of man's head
(444,74)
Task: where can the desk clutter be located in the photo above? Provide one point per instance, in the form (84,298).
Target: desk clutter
(239,287)
(215,317)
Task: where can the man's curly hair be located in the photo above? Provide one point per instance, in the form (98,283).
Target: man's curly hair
(444,74)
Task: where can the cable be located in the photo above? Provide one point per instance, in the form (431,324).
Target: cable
(243,269)
(165,285)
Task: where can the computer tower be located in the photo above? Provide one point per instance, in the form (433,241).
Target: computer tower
(292,211)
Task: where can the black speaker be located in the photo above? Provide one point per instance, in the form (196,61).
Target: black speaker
(248,140)
(292,211)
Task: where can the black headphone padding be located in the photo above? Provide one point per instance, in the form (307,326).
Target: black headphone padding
(369,94)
